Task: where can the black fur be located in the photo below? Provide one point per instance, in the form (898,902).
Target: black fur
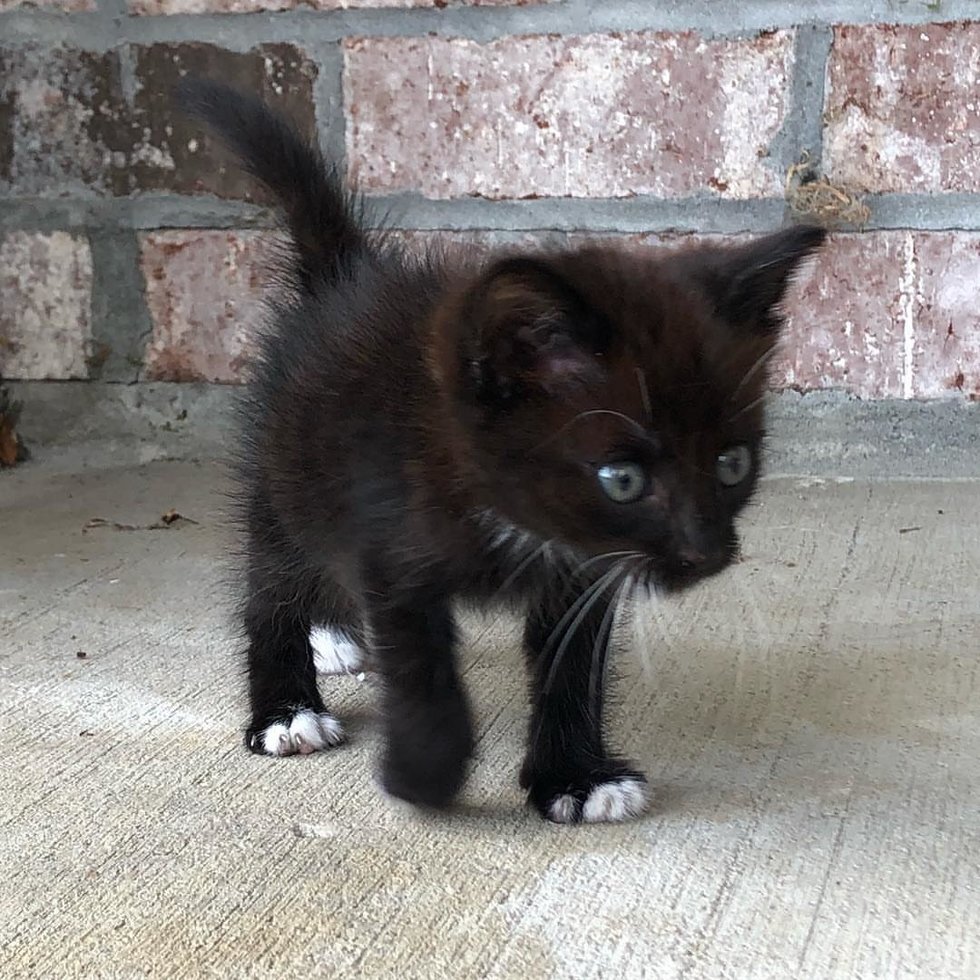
(424,430)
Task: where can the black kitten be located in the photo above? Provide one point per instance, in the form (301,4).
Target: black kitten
(549,428)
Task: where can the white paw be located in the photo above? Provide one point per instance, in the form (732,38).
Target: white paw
(304,733)
(617,801)
(334,652)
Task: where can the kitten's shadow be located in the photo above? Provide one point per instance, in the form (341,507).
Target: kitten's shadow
(724,728)
(719,727)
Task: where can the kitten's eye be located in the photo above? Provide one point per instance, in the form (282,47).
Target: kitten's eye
(734,465)
(622,482)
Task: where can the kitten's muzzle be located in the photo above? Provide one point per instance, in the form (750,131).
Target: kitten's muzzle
(690,559)
(693,564)
(688,563)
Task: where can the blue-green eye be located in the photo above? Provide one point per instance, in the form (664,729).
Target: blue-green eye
(622,482)
(734,465)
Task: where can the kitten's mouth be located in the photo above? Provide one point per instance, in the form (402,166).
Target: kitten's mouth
(679,574)
(664,575)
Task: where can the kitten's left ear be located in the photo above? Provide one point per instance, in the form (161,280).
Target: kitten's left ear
(748,283)
(529,329)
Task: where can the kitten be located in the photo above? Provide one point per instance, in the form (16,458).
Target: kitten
(547,428)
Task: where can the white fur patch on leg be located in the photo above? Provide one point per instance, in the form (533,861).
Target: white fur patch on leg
(616,801)
(334,652)
(303,733)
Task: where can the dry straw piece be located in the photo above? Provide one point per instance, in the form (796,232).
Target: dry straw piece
(817,199)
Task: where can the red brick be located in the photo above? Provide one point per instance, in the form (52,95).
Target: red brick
(254,6)
(903,108)
(946,355)
(590,116)
(67,127)
(845,319)
(884,314)
(204,290)
(45,305)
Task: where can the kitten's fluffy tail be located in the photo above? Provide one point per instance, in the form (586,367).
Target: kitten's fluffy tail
(324,219)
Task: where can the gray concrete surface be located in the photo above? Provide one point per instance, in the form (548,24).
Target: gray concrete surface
(811,723)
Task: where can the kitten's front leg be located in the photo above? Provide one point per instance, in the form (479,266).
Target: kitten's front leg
(288,714)
(428,730)
(569,775)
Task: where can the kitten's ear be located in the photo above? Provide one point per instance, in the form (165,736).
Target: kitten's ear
(748,283)
(528,329)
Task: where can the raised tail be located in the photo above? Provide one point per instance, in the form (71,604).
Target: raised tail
(324,218)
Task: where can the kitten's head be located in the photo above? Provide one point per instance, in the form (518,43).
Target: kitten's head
(613,401)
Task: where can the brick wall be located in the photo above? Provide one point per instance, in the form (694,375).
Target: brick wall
(131,251)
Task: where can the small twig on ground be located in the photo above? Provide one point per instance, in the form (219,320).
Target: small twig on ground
(168,519)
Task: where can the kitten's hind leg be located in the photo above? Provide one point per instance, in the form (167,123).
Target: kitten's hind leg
(568,773)
(288,714)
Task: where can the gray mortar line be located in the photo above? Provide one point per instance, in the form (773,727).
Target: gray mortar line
(120,319)
(106,28)
(328,98)
(920,212)
(410,211)
(632,215)
(141,213)
(129,85)
(802,129)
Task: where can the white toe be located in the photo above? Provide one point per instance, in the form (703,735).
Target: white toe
(616,801)
(562,809)
(274,739)
(334,652)
(304,733)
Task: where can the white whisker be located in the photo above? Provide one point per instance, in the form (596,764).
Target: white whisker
(752,372)
(591,596)
(588,414)
(644,394)
(600,648)
(523,564)
(749,407)
(609,554)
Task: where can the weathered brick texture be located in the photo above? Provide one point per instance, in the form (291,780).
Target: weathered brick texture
(469,111)
(68,127)
(888,314)
(592,116)
(903,108)
(205,291)
(45,305)
(946,271)
(845,324)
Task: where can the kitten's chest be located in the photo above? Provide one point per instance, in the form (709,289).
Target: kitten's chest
(500,561)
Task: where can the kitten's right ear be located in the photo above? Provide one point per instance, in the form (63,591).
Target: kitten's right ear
(748,283)
(528,329)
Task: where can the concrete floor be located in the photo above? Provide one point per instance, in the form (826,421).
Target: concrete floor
(811,722)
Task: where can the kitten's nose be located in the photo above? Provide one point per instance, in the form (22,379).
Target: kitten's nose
(691,559)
